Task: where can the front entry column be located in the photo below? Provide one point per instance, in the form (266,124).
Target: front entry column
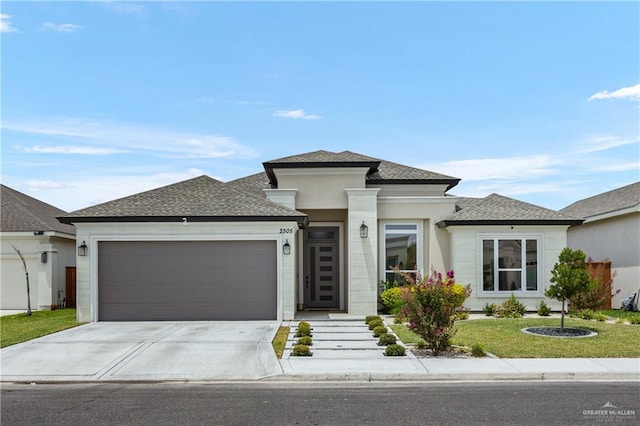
(362,269)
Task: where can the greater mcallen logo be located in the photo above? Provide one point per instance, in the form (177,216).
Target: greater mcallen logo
(609,412)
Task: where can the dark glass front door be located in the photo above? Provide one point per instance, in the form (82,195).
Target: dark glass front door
(321,268)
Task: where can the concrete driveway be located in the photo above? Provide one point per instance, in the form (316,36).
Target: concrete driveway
(129,351)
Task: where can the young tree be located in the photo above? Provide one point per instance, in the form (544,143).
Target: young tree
(26,273)
(570,275)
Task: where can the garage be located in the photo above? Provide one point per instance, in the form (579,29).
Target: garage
(187,280)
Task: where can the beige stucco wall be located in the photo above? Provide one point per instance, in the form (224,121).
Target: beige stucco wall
(93,233)
(321,188)
(616,239)
(466,260)
(45,279)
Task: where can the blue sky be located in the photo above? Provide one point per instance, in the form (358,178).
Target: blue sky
(536,101)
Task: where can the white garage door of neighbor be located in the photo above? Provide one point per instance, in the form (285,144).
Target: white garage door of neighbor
(187,280)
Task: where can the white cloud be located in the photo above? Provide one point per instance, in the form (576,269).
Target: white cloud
(296,114)
(622,167)
(631,93)
(603,143)
(81,150)
(60,28)
(5,24)
(108,135)
(509,168)
(75,192)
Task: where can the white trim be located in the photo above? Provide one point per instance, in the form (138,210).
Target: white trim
(95,239)
(382,253)
(341,261)
(481,293)
(612,214)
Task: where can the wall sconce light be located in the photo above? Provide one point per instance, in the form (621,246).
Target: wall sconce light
(82,249)
(43,257)
(364,230)
(286,248)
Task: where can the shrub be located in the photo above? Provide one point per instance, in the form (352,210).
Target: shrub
(421,344)
(586,314)
(462,314)
(619,321)
(478,350)
(543,309)
(370,318)
(511,308)
(386,340)
(392,299)
(394,350)
(304,329)
(635,320)
(305,340)
(379,331)
(431,308)
(490,309)
(301,350)
(601,317)
(375,323)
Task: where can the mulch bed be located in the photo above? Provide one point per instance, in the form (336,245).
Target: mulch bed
(454,352)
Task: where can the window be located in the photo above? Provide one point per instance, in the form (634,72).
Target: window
(400,250)
(510,264)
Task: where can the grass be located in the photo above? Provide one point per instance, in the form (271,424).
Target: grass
(503,338)
(280,341)
(617,313)
(21,327)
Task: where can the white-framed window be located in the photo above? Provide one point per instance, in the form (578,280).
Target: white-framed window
(401,248)
(510,264)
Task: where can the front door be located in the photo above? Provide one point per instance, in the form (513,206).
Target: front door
(321,267)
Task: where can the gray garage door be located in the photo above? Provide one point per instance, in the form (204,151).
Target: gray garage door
(187,280)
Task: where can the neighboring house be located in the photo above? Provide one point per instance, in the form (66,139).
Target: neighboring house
(611,230)
(47,245)
(315,231)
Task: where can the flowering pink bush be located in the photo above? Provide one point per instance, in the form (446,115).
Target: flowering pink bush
(431,308)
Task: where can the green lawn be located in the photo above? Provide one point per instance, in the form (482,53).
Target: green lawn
(280,341)
(20,328)
(617,313)
(504,338)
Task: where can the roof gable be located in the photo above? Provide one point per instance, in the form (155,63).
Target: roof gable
(500,210)
(22,213)
(199,199)
(607,202)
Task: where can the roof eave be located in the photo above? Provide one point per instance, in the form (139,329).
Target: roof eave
(541,222)
(449,182)
(270,166)
(302,221)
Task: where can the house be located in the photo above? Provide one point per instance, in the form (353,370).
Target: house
(611,230)
(48,248)
(316,231)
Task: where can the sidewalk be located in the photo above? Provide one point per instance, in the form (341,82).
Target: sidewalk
(345,350)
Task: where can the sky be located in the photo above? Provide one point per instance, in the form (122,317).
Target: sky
(538,101)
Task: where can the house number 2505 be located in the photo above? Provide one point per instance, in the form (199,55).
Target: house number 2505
(286,230)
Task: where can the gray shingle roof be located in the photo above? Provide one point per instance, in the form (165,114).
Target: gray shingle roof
(380,171)
(607,202)
(22,213)
(253,184)
(198,199)
(498,209)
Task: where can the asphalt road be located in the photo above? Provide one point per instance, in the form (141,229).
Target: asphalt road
(534,403)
